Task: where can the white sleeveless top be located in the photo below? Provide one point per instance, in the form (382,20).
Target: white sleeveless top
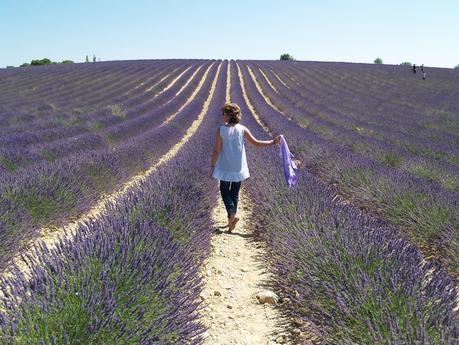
(231,164)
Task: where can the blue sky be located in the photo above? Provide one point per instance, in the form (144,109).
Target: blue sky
(320,30)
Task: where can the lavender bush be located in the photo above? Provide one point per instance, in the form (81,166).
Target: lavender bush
(352,277)
(130,276)
(49,192)
(427,210)
(338,249)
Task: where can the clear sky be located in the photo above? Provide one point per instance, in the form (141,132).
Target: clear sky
(422,31)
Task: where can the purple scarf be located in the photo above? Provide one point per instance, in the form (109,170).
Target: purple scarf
(289,164)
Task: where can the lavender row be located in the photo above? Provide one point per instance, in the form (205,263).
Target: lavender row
(370,80)
(132,275)
(86,116)
(291,104)
(361,103)
(58,84)
(331,99)
(15,146)
(41,115)
(53,105)
(418,138)
(102,139)
(343,276)
(53,102)
(30,97)
(395,94)
(429,213)
(53,192)
(372,116)
(33,78)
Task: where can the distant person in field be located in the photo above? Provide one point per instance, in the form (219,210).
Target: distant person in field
(229,163)
(423,75)
(414,68)
(422,68)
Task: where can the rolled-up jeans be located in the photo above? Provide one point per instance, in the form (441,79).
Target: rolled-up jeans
(230,195)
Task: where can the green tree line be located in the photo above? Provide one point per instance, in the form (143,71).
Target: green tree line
(44,61)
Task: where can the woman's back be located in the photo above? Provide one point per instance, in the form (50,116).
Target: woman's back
(229,163)
(232,162)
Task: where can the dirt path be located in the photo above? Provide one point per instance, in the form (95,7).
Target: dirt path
(267,80)
(249,104)
(234,273)
(155,84)
(278,78)
(260,90)
(193,95)
(228,83)
(267,99)
(187,82)
(51,235)
(170,84)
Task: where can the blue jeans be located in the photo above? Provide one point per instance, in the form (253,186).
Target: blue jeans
(230,195)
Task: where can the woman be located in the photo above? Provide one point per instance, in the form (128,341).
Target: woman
(229,163)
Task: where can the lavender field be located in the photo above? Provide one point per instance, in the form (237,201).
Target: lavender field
(365,248)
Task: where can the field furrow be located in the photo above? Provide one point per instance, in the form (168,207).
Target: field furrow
(112,230)
(327,254)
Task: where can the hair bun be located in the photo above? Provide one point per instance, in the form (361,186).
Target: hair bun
(233,111)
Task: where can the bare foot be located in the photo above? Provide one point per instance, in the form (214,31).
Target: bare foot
(232,224)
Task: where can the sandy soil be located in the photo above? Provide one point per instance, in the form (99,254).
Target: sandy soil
(267,80)
(170,84)
(267,99)
(249,104)
(234,273)
(279,78)
(193,95)
(228,83)
(187,82)
(155,84)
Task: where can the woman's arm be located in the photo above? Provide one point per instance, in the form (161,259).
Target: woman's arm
(251,139)
(216,152)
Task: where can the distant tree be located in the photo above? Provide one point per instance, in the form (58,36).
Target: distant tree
(87,58)
(44,61)
(406,63)
(9,66)
(457,67)
(94,58)
(287,56)
(378,61)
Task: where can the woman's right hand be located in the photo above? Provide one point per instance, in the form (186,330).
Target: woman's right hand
(276,140)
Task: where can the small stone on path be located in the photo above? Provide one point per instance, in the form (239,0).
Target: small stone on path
(267,297)
(280,339)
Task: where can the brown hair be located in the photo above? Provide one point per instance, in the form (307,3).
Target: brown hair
(233,112)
